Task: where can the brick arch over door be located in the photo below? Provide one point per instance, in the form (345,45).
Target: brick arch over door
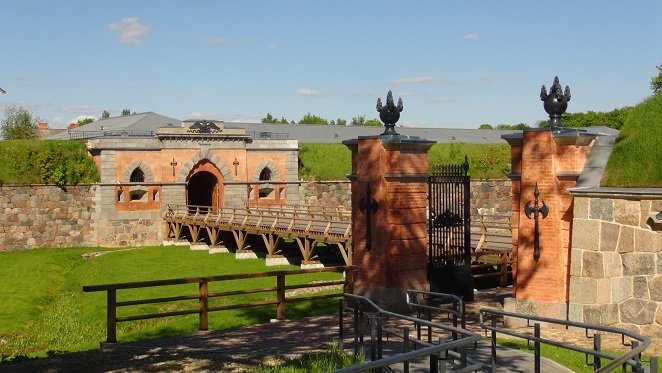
(149,176)
(275,175)
(197,158)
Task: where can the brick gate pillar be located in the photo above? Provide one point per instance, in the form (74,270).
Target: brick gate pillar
(553,158)
(389,218)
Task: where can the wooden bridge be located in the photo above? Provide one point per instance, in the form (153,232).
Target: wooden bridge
(307,225)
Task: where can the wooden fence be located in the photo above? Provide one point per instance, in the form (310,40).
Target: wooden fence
(203,295)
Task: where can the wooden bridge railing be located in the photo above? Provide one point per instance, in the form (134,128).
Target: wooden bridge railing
(203,295)
(307,225)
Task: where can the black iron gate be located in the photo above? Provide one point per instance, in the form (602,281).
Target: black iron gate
(449,231)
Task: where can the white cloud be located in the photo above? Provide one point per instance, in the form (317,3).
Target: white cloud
(422,80)
(130,30)
(273,46)
(307,92)
(80,109)
(470,36)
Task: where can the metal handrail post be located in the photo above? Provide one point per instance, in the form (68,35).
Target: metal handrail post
(597,346)
(405,347)
(493,344)
(536,346)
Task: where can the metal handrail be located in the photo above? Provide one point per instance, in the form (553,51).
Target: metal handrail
(462,338)
(632,357)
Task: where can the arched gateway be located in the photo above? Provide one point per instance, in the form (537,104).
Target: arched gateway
(197,162)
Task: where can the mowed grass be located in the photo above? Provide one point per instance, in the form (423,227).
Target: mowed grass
(334,161)
(44,308)
(635,160)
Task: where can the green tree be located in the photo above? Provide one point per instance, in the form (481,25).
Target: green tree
(84,121)
(485,126)
(656,81)
(19,124)
(105,115)
(269,119)
(126,112)
(362,121)
(312,119)
(338,122)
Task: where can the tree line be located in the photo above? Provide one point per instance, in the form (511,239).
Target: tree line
(309,118)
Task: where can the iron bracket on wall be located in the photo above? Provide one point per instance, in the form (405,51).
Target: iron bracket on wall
(368,206)
(536,210)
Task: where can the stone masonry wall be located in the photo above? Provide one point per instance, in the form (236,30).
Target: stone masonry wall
(616,262)
(46,216)
(488,196)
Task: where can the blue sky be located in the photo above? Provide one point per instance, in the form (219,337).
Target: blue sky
(456,64)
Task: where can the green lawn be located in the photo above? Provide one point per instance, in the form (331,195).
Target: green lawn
(44,308)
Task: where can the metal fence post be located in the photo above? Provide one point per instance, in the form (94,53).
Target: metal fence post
(494,334)
(597,346)
(204,305)
(405,347)
(536,346)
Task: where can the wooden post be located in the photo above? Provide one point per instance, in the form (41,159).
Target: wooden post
(111,316)
(280,297)
(203,289)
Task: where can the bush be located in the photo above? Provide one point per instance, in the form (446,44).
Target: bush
(50,162)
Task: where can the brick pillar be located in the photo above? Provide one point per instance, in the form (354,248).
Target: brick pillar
(554,160)
(390,254)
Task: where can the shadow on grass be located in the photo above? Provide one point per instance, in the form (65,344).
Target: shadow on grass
(167,348)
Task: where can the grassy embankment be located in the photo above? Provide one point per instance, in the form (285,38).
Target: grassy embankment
(636,159)
(48,162)
(44,308)
(333,161)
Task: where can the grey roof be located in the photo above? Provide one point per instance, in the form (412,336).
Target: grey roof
(333,134)
(142,122)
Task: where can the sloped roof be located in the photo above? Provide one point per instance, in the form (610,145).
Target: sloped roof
(143,122)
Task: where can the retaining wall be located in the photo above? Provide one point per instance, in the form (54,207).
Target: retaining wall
(616,261)
(46,216)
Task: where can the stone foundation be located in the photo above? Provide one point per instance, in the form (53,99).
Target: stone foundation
(616,261)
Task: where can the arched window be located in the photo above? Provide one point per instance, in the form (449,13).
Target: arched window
(137,176)
(265,174)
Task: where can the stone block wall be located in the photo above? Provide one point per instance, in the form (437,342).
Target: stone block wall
(326,194)
(491,196)
(616,262)
(46,216)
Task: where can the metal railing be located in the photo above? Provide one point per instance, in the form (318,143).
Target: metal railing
(451,341)
(489,319)
(267,135)
(203,295)
(75,135)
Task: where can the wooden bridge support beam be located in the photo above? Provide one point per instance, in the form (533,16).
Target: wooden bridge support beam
(346,252)
(306,245)
(213,234)
(240,239)
(271,241)
(195,232)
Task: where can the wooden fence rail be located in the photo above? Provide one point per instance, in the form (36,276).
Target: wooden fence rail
(203,295)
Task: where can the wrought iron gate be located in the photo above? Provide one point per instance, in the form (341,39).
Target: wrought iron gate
(449,231)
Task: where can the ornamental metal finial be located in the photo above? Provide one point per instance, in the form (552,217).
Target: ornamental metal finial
(555,103)
(390,113)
